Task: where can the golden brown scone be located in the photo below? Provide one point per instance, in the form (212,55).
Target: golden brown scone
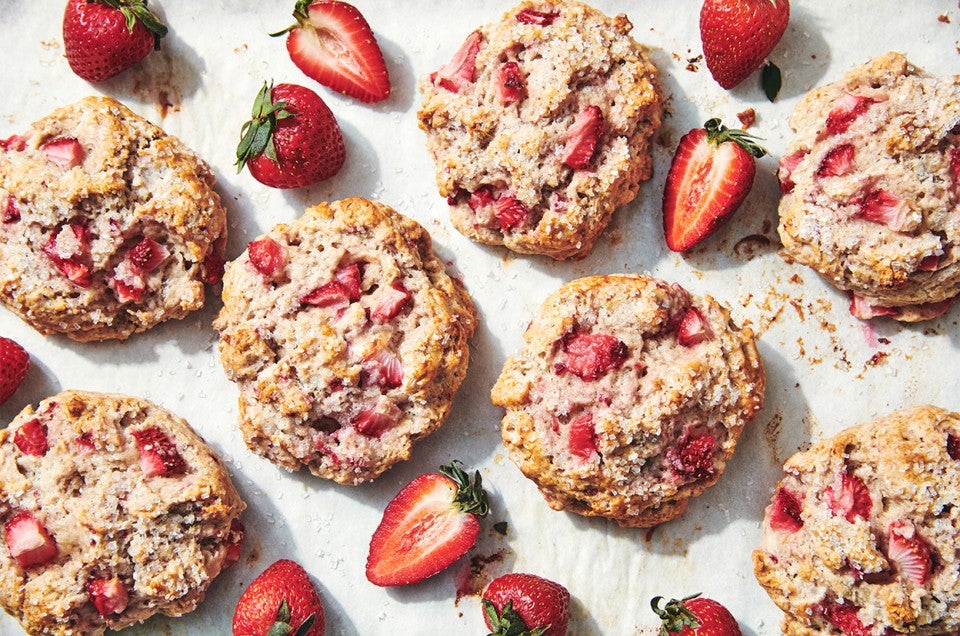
(861,536)
(347,339)
(628,397)
(113,510)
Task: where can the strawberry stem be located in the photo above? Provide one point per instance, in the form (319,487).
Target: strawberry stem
(281,625)
(675,615)
(300,12)
(717,134)
(256,136)
(470,497)
(508,622)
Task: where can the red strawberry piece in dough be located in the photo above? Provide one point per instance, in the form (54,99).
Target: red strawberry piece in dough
(332,43)
(68,247)
(695,616)
(460,71)
(10,213)
(849,499)
(389,302)
(350,277)
(517,602)
(432,522)
(582,137)
(885,208)
(583,438)
(845,617)
(711,174)
(846,110)
(955,162)
(785,511)
(737,35)
(31,438)
(542,18)
(511,85)
(787,165)
(267,256)
(147,255)
(382,369)
(953,446)
(281,600)
(109,596)
(127,292)
(480,198)
(338,293)
(292,139)
(376,420)
(212,268)
(65,152)
(235,536)
(14,364)
(693,329)
(693,455)
(159,456)
(861,308)
(837,162)
(84,442)
(104,37)
(909,551)
(13,142)
(510,212)
(929,263)
(28,541)
(590,355)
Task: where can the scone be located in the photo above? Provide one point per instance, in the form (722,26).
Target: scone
(871,188)
(861,537)
(540,127)
(346,337)
(108,225)
(113,510)
(628,397)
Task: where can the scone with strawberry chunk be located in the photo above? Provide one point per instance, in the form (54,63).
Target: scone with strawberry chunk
(346,337)
(113,509)
(628,397)
(540,127)
(861,536)
(871,188)
(108,225)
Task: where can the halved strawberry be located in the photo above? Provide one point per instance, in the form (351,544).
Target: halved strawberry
(588,356)
(28,540)
(846,110)
(861,308)
(885,208)
(580,140)
(511,85)
(542,18)
(711,174)
(109,596)
(430,524)
(460,71)
(159,456)
(390,300)
(148,254)
(785,511)
(693,329)
(837,162)
(267,256)
(382,369)
(350,277)
(510,212)
(332,43)
(10,213)
(909,551)
(845,617)
(65,152)
(235,536)
(31,438)
(693,455)
(787,165)
(849,499)
(583,437)
(376,420)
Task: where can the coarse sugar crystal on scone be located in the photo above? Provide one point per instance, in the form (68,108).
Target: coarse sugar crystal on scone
(540,127)
(627,397)
(861,536)
(347,339)
(108,225)
(113,510)
(871,188)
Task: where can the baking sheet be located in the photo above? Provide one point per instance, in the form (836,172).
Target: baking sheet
(825,369)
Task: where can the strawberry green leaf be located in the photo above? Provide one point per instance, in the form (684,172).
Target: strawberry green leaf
(501,527)
(470,497)
(256,135)
(674,615)
(771,80)
(136,11)
(717,134)
(508,622)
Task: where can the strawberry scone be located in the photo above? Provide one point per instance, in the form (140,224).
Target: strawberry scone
(540,127)
(108,225)
(871,188)
(113,510)
(346,337)
(628,397)
(861,536)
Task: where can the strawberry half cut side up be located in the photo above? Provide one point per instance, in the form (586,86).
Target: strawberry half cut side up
(332,43)
(430,524)
(711,174)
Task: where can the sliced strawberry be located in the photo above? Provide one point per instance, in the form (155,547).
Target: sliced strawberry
(460,71)
(511,85)
(430,524)
(350,276)
(28,541)
(861,308)
(109,596)
(510,212)
(480,198)
(148,254)
(10,213)
(377,419)
(580,140)
(31,438)
(929,263)
(885,208)
(953,446)
(909,551)
(542,18)
(390,300)
(785,511)
(787,165)
(590,355)
(382,369)
(13,142)
(212,268)
(693,455)
(332,294)
(583,438)
(332,43)
(65,152)
(693,329)
(837,162)
(159,456)
(846,110)
(850,500)
(267,256)
(235,536)
(846,618)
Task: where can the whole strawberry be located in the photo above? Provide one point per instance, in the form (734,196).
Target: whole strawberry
(103,37)
(738,34)
(526,604)
(282,600)
(292,140)
(695,616)
(14,363)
